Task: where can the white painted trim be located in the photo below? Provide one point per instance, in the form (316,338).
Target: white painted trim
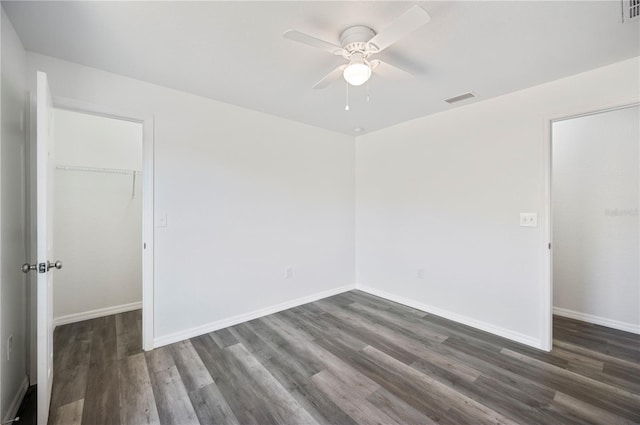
(148,193)
(148,202)
(546,262)
(245,317)
(465,320)
(545,256)
(597,320)
(93,314)
(17,400)
(100,110)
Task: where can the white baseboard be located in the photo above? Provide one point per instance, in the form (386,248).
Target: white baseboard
(597,320)
(17,400)
(92,314)
(465,320)
(231,321)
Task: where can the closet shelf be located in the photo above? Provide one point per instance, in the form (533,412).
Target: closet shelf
(97,169)
(132,173)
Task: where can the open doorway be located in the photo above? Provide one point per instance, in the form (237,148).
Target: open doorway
(97,217)
(77,304)
(595,188)
(97,227)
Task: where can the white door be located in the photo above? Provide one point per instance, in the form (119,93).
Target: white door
(44,241)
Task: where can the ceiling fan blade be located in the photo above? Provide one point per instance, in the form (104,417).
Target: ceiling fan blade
(389,71)
(313,42)
(330,77)
(408,22)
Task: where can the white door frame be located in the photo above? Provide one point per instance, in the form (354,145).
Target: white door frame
(546,254)
(147,199)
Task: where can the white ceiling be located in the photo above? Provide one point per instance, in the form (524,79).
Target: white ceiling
(234,51)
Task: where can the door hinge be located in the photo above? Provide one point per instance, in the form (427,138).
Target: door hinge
(549,245)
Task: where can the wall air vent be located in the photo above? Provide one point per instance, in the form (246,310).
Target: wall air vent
(463,96)
(630,11)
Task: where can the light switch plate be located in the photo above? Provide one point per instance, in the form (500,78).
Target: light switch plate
(528,220)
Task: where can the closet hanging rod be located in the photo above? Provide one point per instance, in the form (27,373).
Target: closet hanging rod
(97,169)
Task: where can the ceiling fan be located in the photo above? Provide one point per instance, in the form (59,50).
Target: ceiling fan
(359,43)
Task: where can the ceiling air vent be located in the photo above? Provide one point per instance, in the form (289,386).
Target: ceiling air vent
(465,96)
(630,11)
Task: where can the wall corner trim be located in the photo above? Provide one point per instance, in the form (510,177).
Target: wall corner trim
(93,314)
(597,320)
(17,400)
(465,320)
(245,317)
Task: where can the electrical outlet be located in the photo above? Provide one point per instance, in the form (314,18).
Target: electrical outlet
(9,347)
(528,220)
(288,272)
(420,274)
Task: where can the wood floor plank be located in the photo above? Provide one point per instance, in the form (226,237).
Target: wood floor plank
(129,333)
(435,414)
(360,409)
(322,325)
(247,405)
(412,325)
(449,364)
(102,394)
(373,335)
(211,407)
(391,382)
(473,410)
(511,402)
(193,372)
(223,338)
(293,376)
(587,388)
(137,402)
(349,359)
(173,402)
(259,349)
(285,408)
(383,304)
(601,332)
(72,361)
(588,412)
(626,350)
(314,401)
(596,355)
(397,409)
(170,395)
(325,360)
(70,414)
(121,336)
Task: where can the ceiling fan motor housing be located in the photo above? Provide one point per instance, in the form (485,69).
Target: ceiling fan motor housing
(354,40)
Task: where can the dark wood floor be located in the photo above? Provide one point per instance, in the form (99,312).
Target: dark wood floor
(348,359)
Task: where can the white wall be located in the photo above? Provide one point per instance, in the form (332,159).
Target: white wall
(12,214)
(246,195)
(595,218)
(444,192)
(97,216)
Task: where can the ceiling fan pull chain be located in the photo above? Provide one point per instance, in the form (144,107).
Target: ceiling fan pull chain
(368,91)
(346,108)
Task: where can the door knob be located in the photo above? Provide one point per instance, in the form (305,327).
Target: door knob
(26,267)
(57,265)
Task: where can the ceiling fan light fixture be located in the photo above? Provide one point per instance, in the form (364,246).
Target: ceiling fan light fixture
(358,71)
(357,74)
